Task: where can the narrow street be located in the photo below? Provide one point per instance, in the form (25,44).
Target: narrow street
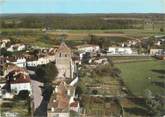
(37,93)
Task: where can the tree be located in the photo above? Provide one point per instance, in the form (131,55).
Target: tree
(115,72)
(81,88)
(107,70)
(148,94)
(154,103)
(46,73)
(5,53)
(110,61)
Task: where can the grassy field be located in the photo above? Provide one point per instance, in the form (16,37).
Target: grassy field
(139,76)
(127,59)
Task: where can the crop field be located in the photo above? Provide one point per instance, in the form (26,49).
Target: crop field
(35,36)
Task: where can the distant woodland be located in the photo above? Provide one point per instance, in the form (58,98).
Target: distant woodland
(83,21)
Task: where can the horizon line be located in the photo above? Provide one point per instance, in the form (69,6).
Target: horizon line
(84,13)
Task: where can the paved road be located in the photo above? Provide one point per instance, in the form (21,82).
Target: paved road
(37,93)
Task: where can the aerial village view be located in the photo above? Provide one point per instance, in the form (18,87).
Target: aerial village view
(82,58)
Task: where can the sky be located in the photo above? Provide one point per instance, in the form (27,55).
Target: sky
(82,6)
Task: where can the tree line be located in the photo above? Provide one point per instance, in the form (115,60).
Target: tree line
(70,22)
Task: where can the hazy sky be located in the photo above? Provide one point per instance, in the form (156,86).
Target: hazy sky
(82,6)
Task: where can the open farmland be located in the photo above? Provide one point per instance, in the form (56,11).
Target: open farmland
(139,76)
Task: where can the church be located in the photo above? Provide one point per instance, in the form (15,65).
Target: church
(63,62)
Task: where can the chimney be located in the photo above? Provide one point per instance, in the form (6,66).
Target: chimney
(54,100)
(52,109)
(24,77)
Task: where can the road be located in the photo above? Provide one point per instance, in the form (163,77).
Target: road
(37,93)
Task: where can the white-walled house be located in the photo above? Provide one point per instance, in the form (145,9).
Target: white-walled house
(3,42)
(19,80)
(20,62)
(88,48)
(17,87)
(41,61)
(81,54)
(16,47)
(120,51)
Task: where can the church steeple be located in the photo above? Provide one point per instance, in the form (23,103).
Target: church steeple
(64,48)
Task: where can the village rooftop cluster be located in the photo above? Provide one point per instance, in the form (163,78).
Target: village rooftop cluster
(16,71)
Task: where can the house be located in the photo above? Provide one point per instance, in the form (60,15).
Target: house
(20,61)
(63,62)
(16,47)
(161,57)
(158,43)
(100,61)
(19,80)
(130,43)
(154,52)
(120,51)
(62,101)
(4,42)
(32,61)
(75,106)
(59,103)
(88,48)
(40,61)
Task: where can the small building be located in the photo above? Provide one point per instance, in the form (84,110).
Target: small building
(4,42)
(62,101)
(19,80)
(100,61)
(34,62)
(120,51)
(16,47)
(154,52)
(59,103)
(161,57)
(88,48)
(75,106)
(20,61)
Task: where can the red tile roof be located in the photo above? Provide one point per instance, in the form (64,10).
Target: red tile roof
(74,104)
(18,76)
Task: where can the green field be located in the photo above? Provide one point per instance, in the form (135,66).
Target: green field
(139,76)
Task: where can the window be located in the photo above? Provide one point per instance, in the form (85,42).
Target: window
(65,55)
(60,55)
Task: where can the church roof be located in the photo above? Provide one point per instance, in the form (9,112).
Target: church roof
(63,48)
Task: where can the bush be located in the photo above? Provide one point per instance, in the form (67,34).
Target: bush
(107,70)
(94,92)
(24,94)
(161,29)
